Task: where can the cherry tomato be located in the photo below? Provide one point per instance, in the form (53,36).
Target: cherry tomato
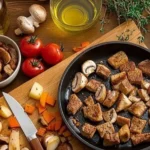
(31,46)
(32,67)
(52,54)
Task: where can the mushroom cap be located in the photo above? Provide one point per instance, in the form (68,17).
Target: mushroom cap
(4,55)
(38,12)
(25,25)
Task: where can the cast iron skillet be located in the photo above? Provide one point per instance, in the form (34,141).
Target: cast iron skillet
(98,53)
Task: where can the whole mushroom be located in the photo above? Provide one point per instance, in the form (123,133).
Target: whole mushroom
(27,24)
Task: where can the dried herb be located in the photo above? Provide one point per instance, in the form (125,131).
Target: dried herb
(141,39)
(137,10)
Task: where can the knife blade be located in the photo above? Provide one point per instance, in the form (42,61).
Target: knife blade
(25,122)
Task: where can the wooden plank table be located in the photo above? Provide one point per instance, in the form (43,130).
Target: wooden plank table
(50,80)
(48,32)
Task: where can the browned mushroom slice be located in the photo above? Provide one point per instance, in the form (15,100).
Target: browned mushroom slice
(133,97)
(88,67)
(89,101)
(140,138)
(126,87)
(93,85)
(100,94)
(111,139)
(117,78)
(118,59)
(145,84)
(79,82)
(121,121)
(129,66)
(124,133)
(74,104)
(123,103)
(144,95)
(105,128)
(93,112)
(88,130)
(111,98)
(1,77)
(135,77)
(103,71)
(1,66)
(138,109)
(8,70)
(145,66)
(13,54)
(148,90)
(5,56)
(137,125)
(148,104)
(110,115)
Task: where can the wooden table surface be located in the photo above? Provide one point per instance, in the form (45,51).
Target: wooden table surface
(48,32)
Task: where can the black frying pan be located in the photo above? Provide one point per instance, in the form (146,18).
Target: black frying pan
(98,53)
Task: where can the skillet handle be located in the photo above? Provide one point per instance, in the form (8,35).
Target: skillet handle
(36,145)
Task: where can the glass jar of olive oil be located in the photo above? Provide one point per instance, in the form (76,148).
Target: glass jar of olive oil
(4,21)
(75,15)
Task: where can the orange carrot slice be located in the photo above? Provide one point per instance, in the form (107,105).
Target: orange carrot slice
(58,124)
(50,100)
(85,44)
(43,99)
(29,109)
(13,123)
(67,133)
(62,129)
(51,126)
(77,49)
(41,131)
(40,108)
(48,116)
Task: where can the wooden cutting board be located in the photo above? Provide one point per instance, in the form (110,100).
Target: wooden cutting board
(50,80)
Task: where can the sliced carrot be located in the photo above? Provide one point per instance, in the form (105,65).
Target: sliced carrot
(50,100)
(48,116)
(58,116)
(58,124)
(13,123)
(41,131)
(62,129)
(77,49)
(85,44)
(40,108)
(51,126)
(43,99)
(67,133)
(29,109)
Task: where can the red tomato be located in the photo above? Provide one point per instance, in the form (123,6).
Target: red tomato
(32,67)
(52,54)
(31,46)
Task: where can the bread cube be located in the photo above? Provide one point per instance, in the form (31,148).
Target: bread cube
(121,121)
(89,101)
(129,66)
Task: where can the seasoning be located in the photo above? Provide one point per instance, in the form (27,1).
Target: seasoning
(4,22)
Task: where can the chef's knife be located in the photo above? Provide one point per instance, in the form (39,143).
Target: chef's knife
(24,121)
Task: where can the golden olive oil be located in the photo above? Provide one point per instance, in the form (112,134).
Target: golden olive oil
(75,15)
(4,21)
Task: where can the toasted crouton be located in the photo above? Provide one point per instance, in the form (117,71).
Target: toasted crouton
(88,130)
(121,121)
(148,90)
(117,78)
(145,85)
(89,101)
(111,98)
(129,66)
(105,128)
(133,97)
(126,87)
(137,125)
(145,67)
(124,133)
(123,103)
(111,139)
(118,59)
(135,77)
(140,138)
(93,112)
(74,104)
(103,71)
(138,109)
(93,85)
(110,115)
(143,95)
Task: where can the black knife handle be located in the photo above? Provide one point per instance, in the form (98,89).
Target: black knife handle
(36,145)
